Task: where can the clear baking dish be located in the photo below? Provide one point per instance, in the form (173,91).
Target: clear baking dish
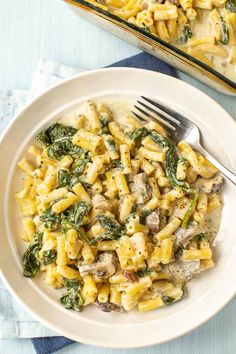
(144,40)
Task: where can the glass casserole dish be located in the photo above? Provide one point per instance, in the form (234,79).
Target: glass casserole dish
(174,54)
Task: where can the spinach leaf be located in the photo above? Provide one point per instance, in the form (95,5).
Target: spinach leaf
(224,30)
(63,178)
(104,120)
(116,164)
(104,236)
(50,221)
(138,133)
(186,34)
(31,264)
(143,272)
(231,5)
(134,208)
(72,298)
(190,209)
(66,179)
(109,224)
(79,164)
(63,147)
(171,159)
(71,283)
(200,237)
(56,131)
(49,256)
(167,300)
(73,216)
(112,145)
(113,229)
(58,140)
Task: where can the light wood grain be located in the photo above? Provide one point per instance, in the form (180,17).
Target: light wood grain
(33,29)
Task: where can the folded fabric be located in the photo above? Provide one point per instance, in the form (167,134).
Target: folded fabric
(15,322)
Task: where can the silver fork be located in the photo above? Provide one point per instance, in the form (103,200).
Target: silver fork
(179,127)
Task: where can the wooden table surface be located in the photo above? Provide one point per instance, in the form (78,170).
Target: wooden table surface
(34,29)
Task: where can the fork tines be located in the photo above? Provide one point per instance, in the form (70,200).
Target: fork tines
(152,110)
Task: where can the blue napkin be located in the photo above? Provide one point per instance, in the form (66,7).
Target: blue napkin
(47,345)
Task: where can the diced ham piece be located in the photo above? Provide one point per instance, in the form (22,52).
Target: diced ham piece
(100,203)
(153,221)
(140,188)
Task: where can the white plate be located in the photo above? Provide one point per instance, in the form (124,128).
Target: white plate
(207,293)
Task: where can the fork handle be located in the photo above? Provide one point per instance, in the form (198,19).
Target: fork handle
(224,170)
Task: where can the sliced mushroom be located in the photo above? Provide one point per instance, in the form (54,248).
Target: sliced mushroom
(100,203)
(140,188)
(153,221)
(104,267)
(183,270)
(185,235)
(211,185)
(108,307)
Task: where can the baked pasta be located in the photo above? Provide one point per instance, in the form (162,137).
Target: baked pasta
(115,212)
(205,29)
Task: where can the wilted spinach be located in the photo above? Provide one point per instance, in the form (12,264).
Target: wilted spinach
(168,300)
(190,209)
(72,298)
(58,140)
(138,133)
(143,272)
(186,34)
(80,163)
(104,120)
(73,216)
(31,263)
(231,5)
(50,220)
(200,237)
(66,179)
(62,148)
(49,256)
(171,159)
(56,131)
(112,145)
(224,30)
(116,164)
(113,230)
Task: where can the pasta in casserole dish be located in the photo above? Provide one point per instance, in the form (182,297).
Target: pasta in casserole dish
(204,29)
